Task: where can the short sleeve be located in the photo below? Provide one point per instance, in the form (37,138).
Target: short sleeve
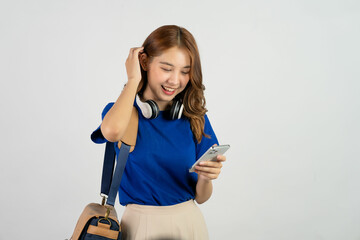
(206,143)
(97,136)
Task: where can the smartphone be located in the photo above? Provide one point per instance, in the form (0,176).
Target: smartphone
(211,154)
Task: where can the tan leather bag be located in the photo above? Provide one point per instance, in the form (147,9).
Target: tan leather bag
(100,220)
(98,211)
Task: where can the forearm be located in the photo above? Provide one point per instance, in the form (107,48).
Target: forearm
(204,190)
(117,118)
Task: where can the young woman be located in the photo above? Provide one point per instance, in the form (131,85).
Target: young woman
(157,188)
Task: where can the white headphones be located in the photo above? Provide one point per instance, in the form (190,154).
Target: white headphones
(150,109)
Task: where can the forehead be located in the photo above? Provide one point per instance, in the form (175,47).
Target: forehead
(175,56)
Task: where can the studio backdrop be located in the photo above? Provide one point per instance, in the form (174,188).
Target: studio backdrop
(282,88)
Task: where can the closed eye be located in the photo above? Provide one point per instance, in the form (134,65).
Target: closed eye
(168,70)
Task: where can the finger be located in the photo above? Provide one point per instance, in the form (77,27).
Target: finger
(211,170)
(215,164)
(221,158)
(208,175)
(135,50)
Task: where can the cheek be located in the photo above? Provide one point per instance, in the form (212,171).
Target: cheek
(185,82)
(155,74)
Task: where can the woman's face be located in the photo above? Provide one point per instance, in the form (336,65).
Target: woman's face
(168,75)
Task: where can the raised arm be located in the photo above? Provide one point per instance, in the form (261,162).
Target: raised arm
(116,120)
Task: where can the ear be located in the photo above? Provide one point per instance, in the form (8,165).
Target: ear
(144,60)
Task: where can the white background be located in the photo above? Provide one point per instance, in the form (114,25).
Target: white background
(282,87)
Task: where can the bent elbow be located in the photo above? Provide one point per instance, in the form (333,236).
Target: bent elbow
(110,134)
(201,200)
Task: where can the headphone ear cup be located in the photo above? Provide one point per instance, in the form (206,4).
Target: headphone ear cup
(176,110)
(149,109)
(154,109)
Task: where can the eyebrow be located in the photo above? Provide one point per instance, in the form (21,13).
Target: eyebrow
(166,63)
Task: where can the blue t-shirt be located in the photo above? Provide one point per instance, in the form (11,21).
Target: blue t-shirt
(157,171)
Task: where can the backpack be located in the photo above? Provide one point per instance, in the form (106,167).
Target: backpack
(100,221)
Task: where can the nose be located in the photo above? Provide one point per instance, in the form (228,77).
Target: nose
(174,79)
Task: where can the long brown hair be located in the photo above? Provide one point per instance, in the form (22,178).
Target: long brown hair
(169,36)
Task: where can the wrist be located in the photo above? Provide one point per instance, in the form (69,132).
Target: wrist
(132,84)
(134,80)
(203,179)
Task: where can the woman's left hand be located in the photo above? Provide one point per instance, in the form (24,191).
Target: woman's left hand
(210,170)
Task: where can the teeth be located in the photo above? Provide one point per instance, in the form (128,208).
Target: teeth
(169,89)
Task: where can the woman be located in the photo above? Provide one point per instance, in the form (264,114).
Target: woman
(157,188)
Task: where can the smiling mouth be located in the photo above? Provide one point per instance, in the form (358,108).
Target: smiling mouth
(168,89)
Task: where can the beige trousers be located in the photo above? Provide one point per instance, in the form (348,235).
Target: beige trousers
(176,222)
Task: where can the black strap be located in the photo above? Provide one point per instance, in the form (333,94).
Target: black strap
(108,167)
(111,179)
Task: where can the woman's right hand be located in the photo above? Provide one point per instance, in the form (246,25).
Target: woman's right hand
(133,64)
